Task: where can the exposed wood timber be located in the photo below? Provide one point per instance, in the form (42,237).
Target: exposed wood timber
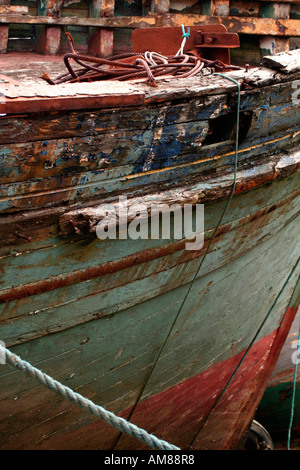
(220,7)
(3,39)
(286,62)
(49,37)
(85,220)
(13,9)
(101,41)
(261,26)
(272,44)
(161,6)
(94,95)
(5,8)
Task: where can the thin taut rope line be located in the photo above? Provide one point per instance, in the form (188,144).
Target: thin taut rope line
(206,252)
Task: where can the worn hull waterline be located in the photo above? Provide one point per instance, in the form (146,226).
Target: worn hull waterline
(278,410)
(180,342)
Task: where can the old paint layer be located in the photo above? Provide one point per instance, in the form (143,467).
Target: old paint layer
(112,319)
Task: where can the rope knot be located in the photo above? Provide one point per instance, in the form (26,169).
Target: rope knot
(185,34)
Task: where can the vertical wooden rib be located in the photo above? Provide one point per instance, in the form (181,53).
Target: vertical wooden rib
(49,36)
(101,40)
(270,45)
(4,29)
(220,7)
(161,6)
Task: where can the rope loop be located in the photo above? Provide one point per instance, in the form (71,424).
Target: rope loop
(87,405)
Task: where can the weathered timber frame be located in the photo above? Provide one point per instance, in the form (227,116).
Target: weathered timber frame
(269,21)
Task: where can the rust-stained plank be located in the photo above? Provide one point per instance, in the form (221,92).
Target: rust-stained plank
(260,26)
(23,98)
(244,8)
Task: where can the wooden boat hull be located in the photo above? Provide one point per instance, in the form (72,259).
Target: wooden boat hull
(125,322)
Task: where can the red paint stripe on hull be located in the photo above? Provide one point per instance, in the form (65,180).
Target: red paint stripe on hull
(186,414)
(177,414)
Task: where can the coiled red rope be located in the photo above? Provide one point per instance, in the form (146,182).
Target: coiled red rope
(130,66)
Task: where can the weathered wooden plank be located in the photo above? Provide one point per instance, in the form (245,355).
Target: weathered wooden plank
(261,26)
(98,149)
(109,387)
(285,62)
(61,157)
(6,8)
(44,97)
(29,128)
(95,184)
(33,100)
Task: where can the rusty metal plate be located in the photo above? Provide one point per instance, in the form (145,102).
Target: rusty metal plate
(217,39)
(167,41)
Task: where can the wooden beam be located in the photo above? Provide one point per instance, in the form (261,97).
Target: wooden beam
(241,25)
(4,29)
(101,41)
(49,37)
(270,45)
(242,8)
(12,9)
